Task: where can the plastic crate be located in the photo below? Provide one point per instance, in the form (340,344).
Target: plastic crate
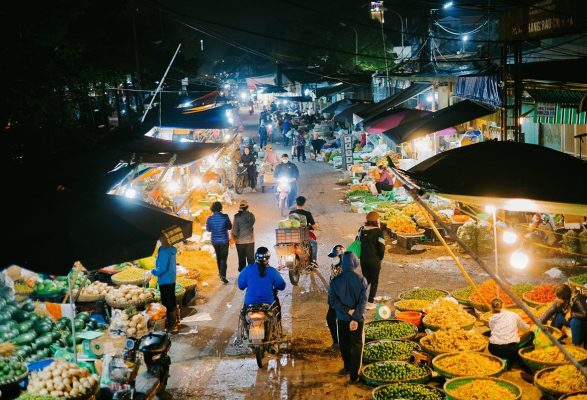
(291,235)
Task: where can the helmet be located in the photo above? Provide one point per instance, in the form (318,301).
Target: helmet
(336,251)
(373,216)
(262,254)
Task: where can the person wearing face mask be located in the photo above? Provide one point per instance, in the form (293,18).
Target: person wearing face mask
(335,270)
(288,170)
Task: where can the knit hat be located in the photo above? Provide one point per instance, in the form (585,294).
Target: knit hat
(243,205)
(373,216)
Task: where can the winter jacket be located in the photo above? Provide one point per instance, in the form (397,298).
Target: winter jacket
(165,265)
(248,160)
(300,140)
(243,231)
(348,291)
(372,245)
(288,170)
(259,290)
(577,304)
(218,224)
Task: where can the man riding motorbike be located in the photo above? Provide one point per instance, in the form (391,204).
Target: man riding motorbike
(289,171)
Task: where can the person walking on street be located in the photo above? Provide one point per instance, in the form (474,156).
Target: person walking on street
(218,224)
(243,235)
(166,273)
(262,135)
(300,143)
(348,295)
(372,252)
(312,226)
(248,160)
(335,270)
(288,170)
(285,128)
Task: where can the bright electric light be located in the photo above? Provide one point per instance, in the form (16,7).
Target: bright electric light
(284,101)
(519,260)
(465,38)
(227,137)
(521,205)
(447,5)
(226,86)
(509,237)
(490,209)
(230,120)
(130,193)
(173,186)
(196,181)
(269,126)
(429,99)
(283,181)
(243,96)
(278,102)
(211,159)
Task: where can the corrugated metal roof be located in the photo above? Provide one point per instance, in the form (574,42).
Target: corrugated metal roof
(563,97)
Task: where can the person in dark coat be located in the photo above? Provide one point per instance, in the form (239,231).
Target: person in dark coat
(243,235)
(335,270)
(287,169)
(262,135)
(348,295)
(569,310)
(248,160)
(218,224)
(372,252)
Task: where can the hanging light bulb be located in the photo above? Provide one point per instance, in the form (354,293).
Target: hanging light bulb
(509,237)
(130,193)
(519,260)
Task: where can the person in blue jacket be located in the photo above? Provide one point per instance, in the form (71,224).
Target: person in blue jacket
(218,224)
(165,271)
(260,281)
(347,293)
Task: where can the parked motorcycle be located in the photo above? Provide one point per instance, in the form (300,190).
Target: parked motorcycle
(119,379)
(283,190)
(260,327)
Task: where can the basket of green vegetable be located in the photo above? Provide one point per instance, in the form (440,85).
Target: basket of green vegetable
(411,391)
(12,371)
(578,282)
(385,349)
(430,294)
(462,295)
(390,329)
(383,372)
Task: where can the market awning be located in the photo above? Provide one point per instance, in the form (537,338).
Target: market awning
(392,118)
(391,102)
(347,114)
(301,99)
(339,106)
(464,111)
(509,175)
(566,98)
(254,81)
(555,106)
(330,90)
(270,89)
(150,150)
(190,118)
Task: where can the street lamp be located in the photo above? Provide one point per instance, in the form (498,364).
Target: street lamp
(356,41)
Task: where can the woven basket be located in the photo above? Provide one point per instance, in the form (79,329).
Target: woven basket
(460,299)
(433,327)
(434,352)
(533,303)
(136,282)
(373,323)
(88,299)
(571,396)
(456,382)
(450,375)
(539,365)
(547,391)
(432,390)
(367,360)
(379,381)
(403,295)
(115,303)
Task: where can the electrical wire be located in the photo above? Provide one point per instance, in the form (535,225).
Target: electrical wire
(460,33)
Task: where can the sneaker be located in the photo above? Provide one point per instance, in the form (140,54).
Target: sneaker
(353,381)
(334,346)
(343,372)
(371,306)
(254,190)
(224,280)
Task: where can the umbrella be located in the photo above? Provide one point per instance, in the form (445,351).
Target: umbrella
(508,175)
(48,232)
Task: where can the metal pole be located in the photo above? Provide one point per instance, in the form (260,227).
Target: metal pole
(161,83)
(495,246)
(71,303)
(356,46)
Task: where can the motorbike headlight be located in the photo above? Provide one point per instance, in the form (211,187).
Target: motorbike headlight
(283,181)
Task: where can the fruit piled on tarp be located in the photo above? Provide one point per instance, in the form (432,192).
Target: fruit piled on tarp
(446,313)
(389,371)
(563,379)
(541,294)
(468,364)
(390,330)
(11,370)
(429,294)
(409,391)
(552,354)
(63,379)
(450,340)
(483,389)
(389,350)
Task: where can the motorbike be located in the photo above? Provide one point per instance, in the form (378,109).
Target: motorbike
(242,178)
(260,327)
(283,190)
(251,110)
(120,379)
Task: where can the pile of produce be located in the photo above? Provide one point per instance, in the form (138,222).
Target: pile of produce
(179,291)
(477,236)
(63,379)
(399,222)
(541,294)
(412,305)
(11,370)
(577,397)
(46,287)
(23,286)
(489,291)
(358,193)
(521,288)
(553,355)
(186,282)
(450,340)
(429,294)
(462,295)
(541,340)
(563,379)
(128,295)
(130,275)
(468,364)
(394,371)
(571,242)
(411,391)
(196,260)
(579,279)
(95,291)
(29,396)
(383,350)
(583,241)
(447,314)
(421,219)
(133,324)
(411,209)
(389,330)
(483,389)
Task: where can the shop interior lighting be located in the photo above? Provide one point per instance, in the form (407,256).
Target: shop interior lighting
(243,95)
(196,181)
(465,38)
(173,186)
(519,260)
(509,237)
(447,5)
(130,193)
(227,137)
(490,209)
(521,205)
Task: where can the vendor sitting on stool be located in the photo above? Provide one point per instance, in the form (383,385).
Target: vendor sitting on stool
(385,181)
(504,325)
